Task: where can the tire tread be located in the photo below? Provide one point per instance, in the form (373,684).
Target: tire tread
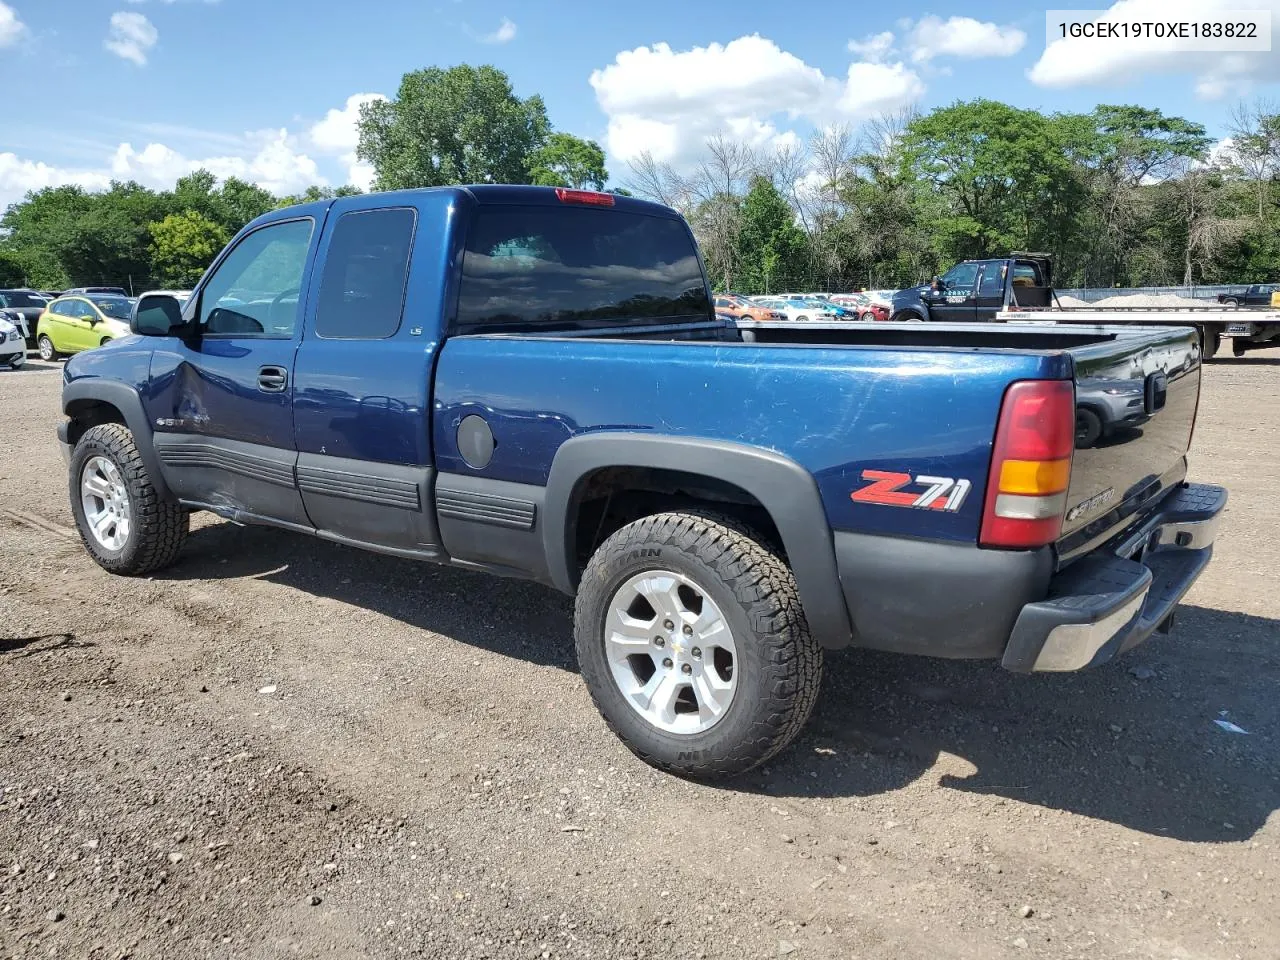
(161,523)
(764,586)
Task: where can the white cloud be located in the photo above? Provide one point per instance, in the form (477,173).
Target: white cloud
(17,176)
(875,48)
(505,33)
(338,133)
(668,102)
(1071,62)
(11,28)
(277,159)
(272,161)
(131,35)
(875,88)
(962,37)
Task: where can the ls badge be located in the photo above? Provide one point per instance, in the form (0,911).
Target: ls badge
(885,488)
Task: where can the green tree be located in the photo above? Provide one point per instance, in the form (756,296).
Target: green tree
(1009,176)
(183,245)
(460,125)
(772,250)
(568,161)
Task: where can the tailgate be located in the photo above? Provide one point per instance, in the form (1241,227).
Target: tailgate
(1136,399)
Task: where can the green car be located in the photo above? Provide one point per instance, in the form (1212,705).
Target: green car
(81,322)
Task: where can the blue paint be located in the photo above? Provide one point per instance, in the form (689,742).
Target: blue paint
(835,410)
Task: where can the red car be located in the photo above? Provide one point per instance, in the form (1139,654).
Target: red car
(866,308)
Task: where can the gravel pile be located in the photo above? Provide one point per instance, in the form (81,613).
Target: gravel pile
(1150,300)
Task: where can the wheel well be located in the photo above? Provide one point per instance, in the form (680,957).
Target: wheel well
(90,413)
(610,498)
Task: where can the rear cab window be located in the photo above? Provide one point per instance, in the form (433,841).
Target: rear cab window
(558,267)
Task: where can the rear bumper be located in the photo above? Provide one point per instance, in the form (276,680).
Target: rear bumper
(1113,599)
(959,601)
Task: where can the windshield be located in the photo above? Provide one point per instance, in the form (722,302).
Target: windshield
(117,308)
(21,300)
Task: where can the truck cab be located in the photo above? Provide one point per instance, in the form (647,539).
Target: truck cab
(976,290)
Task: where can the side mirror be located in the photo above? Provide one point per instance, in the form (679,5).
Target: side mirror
(89,318)
(157,316)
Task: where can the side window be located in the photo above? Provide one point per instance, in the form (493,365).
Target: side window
(254,292)
(992,283)
(76,309)
(961,278)
(366,270)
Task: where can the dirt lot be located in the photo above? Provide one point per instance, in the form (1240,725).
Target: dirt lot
(286,748)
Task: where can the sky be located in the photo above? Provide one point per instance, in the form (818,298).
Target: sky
(269,90)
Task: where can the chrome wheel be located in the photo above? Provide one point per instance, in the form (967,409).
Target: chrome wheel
(671,652)
(106,503)
(45,345)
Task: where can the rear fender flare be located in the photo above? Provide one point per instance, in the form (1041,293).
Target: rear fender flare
(125,399)
(784,488)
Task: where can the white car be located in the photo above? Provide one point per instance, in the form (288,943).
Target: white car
(793,309)
(13,346)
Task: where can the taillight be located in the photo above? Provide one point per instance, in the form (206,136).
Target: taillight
(587,197)
(1030,465)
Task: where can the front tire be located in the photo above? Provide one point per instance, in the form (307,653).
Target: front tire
(47,350)
(694,646)
(125,524)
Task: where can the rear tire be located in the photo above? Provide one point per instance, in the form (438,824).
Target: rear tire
(47,350)
(106,458)
(719,580)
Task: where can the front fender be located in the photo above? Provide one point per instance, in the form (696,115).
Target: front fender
(784,488)
(124,398)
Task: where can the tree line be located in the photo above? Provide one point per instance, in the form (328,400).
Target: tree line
(1122,195)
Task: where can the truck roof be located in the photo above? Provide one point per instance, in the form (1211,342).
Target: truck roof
(484,194)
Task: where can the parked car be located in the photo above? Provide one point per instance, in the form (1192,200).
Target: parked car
(793,309)
(23,307)
(743,308)
(13,345)
(867,308)
(1254,295)
(417,373)
(117,291)
(74,323)
(828,309)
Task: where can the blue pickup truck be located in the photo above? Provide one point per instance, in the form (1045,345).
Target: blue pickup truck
(533,382)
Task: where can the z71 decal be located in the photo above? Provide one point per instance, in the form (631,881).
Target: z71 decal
(885,488)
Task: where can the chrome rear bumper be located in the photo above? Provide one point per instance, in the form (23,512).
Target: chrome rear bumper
(1113,599)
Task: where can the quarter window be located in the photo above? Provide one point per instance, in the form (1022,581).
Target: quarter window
(366,270)
(254,292)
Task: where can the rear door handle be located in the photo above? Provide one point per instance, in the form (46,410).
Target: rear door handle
(273,379)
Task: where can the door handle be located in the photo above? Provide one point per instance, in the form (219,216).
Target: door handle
(273,379)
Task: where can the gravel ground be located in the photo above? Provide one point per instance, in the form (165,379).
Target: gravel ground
(286,748)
